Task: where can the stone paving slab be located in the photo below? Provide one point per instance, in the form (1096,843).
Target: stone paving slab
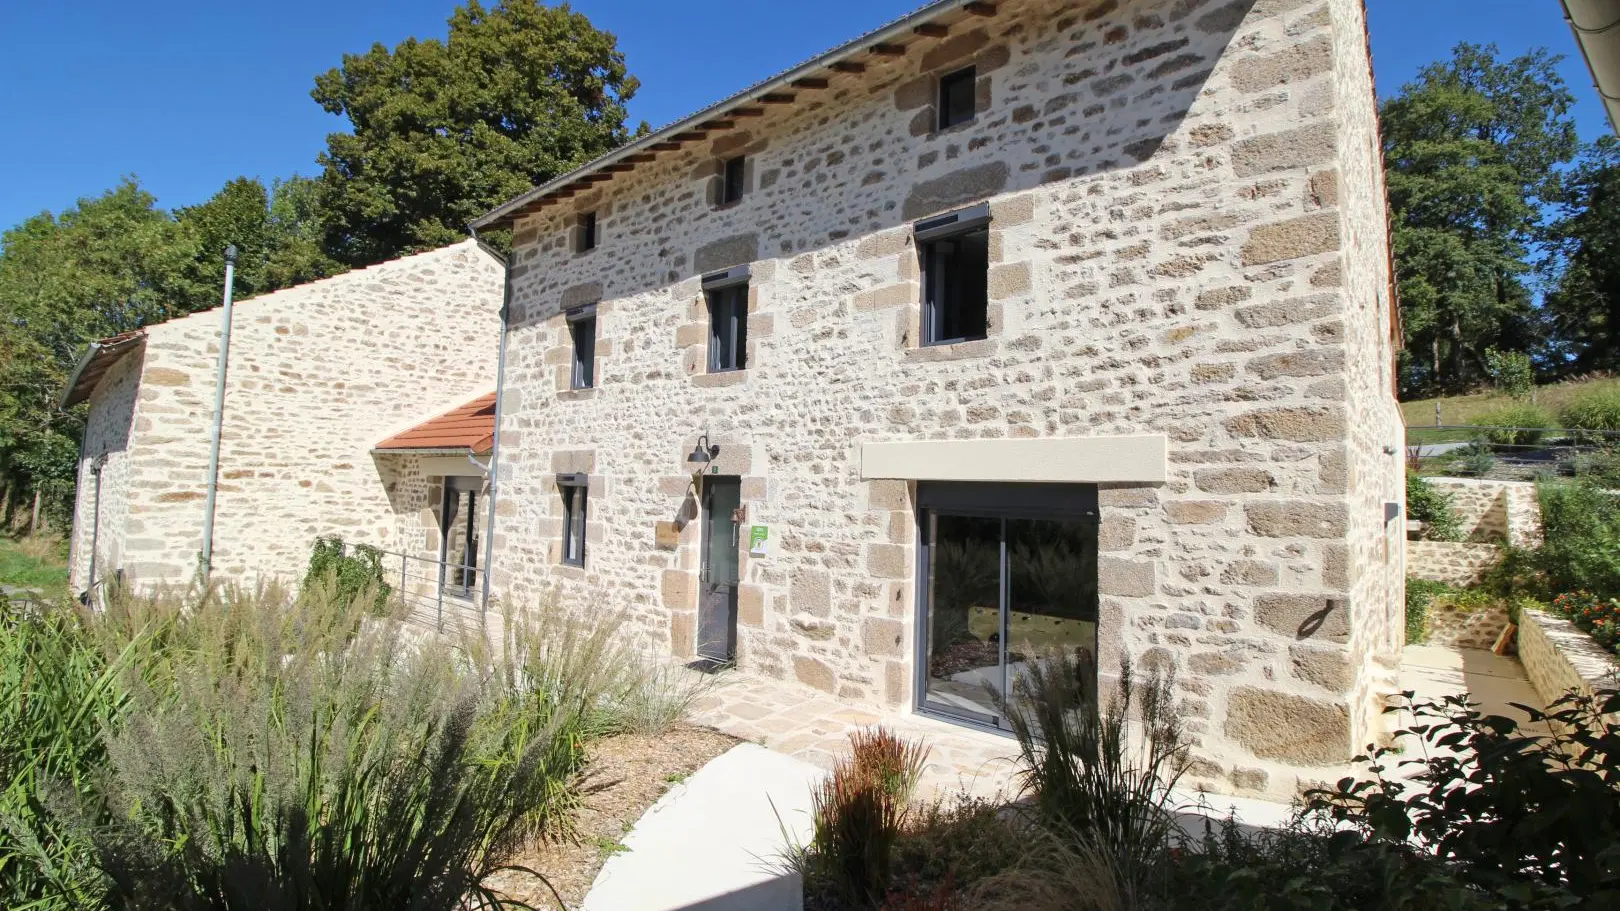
(815,727)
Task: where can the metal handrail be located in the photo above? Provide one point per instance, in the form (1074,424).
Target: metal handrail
(432,573)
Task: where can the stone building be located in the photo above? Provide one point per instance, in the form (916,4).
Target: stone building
(319,374)
(1006,327)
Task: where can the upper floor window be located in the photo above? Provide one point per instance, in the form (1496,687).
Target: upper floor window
(955,254)
(727,294)
(587,232)
(956,98)
(575,489)
(582,326)
(731,180)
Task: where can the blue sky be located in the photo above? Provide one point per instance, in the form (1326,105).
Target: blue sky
(187,94)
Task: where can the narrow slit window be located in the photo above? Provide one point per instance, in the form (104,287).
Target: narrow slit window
(582,326)
(955,253)
(587,232)
(575,491)
(728,328)
(956,98)
(731,181)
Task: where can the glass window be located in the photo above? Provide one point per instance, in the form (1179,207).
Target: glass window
(583,328)
(574,490)
(460,524)
(731,189)
(956,98)
(956,287)
(728,328)
(587,232)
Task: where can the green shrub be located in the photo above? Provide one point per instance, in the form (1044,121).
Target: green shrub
(354,570)
(1599,466)
(1420,594)
(1597,617)
(1524,818)
(1511,372)
(1521,424)
(1580,550)
(1596,409)
(1433,507)
(1477,458)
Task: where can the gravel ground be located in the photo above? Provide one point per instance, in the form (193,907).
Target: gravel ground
(625,776)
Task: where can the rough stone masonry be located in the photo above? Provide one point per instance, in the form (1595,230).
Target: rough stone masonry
(1187,238)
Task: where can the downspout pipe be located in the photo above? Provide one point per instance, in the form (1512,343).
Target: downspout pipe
(96,465)
(207,559)
(493,471)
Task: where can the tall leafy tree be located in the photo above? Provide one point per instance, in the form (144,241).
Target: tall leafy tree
(442,131)
(276,233)
(1584,304)
(105,265)
(1474,147)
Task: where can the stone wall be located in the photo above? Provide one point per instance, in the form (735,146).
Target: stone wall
(1558,657)
(106,435)
(1494,510)
(318,375)
(1175,250)
(1454,625)
(1453,562)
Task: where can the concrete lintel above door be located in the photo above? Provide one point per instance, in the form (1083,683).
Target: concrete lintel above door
(1076,460)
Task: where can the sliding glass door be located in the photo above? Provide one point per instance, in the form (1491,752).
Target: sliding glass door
(1008,574)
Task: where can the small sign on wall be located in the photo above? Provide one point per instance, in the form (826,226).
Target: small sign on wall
(758,536)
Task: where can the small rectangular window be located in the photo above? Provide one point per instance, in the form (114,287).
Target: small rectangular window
(731,188)
(575,489)
(955,253)
(587,232)
(956,98)
(728,328)
(582,326)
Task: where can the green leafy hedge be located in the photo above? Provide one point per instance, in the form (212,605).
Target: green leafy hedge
(1521,424)
(353,570)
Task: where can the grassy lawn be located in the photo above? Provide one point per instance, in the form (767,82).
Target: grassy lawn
(34,563)
(1463,409)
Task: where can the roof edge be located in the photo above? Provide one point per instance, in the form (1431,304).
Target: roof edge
(116,344)
(506,212)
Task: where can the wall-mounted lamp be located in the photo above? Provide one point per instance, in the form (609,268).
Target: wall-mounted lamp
(702,453)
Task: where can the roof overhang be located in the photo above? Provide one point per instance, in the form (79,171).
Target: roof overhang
(97,359)
(467,429)
(884,42)
(1596,24)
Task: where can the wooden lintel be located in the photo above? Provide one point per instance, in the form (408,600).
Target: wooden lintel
(810,82)
(849,66)
(932,30)
(981,9)
(888,50)
(665,146)
(776,98)
(747,112)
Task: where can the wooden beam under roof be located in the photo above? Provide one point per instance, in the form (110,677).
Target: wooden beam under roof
(665,146)
(888,50)
(932,30)
(717,124)
(747,112)
(981,9)
(640,158)
(810,82)
(620,167)
(849,66)
(776,98)
(689,136)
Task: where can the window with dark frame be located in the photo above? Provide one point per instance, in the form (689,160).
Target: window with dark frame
(575,491)
(955,258)
(727,294)
(587,232)
(582,326)
(957,102)
(731,180)
(458,519)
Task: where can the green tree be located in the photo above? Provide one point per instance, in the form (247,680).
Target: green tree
(443,131)
(1584,304)
(1473,148)
(276,234)
(105,265)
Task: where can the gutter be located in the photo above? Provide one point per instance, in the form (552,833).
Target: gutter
(1596,25)
(902,26)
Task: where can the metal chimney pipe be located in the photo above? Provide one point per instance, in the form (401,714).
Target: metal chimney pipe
(219,415)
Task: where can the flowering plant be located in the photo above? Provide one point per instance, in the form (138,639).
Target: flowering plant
(1599,618)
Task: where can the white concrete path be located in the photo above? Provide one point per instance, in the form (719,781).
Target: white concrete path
(712,842)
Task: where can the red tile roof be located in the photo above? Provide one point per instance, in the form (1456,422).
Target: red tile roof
(471,427)
(98,358)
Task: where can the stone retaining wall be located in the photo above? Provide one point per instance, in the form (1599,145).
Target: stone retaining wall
(1453,625)
(1453,562)
(1495,510)
(1559,657)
